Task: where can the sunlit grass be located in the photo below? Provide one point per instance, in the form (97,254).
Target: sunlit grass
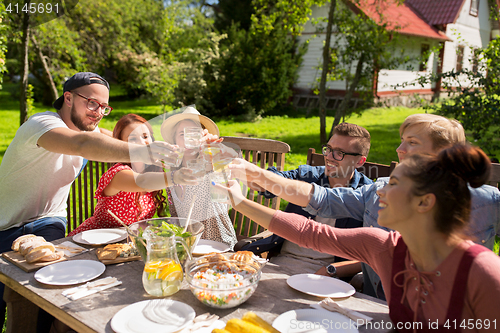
(300,133)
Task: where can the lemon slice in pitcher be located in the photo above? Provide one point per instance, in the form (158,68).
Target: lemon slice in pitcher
(171,272)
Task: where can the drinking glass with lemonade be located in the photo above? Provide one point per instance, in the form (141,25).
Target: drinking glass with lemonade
(162,275)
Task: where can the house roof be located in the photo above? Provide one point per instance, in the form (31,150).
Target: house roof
(400,17)
(437,11)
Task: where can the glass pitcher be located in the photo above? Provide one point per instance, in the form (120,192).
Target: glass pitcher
(163,273)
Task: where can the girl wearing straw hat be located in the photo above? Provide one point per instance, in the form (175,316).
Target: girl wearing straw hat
(213,215)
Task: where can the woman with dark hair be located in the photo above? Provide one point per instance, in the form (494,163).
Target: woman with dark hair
(432,276)
(132,194)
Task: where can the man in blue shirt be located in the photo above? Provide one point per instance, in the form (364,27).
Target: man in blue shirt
(420,133)
(346,150)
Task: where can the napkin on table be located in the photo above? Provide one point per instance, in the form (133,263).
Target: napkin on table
(204,323)
(260,260)
(331,305)
(91,288)
(70,249)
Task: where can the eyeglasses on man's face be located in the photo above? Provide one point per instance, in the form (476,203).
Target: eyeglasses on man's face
(94,105)
(337,153)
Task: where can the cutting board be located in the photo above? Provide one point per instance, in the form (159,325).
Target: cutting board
(17,259)
(116,260)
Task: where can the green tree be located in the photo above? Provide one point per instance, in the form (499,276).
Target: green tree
(324,71)
(474,97)
(121,39)
(366,46)
(193,46)
(55,54)
(260,58)
(3,42)
(254,74)
(229,12)
(289,15)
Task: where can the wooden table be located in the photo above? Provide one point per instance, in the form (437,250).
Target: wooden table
(93,313)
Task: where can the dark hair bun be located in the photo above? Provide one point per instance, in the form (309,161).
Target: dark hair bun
(467,162)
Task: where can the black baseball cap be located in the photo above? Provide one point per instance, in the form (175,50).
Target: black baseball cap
(79,80)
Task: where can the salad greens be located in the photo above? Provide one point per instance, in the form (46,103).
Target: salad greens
(168,230)
(178,231)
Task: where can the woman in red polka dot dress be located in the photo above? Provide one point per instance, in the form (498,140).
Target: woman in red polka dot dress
(118,190)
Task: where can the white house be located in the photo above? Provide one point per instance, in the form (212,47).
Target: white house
(460,26)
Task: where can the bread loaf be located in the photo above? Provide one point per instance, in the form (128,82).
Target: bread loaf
(112,251)
(26,247)
(37,254)
(45,245)
(108,254)
(18,240)
(35,248)
(243,256)
(40,238)
(51,257)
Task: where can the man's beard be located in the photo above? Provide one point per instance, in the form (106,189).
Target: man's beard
(79,123)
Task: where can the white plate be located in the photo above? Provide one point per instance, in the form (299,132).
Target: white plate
(207,246)
(312,320)
(320,285)
(100,236)
(70,272)
(131,319)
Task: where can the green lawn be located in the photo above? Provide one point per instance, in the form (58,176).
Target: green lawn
(300,133)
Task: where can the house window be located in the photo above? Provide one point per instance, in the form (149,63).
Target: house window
(424,57)
(475,61)
(460,58)
(474,7)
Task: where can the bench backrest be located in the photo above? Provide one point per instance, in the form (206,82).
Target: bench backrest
(375,170)
(495,175)
(369,169)
(81,202)
(263,152)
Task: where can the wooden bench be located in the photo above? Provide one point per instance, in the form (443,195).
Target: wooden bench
(495,175)
(375,170)
(263,152)
(81,202)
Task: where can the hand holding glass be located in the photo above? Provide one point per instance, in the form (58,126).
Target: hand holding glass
(216,194)
(209,150)
(192,137)
(176,161)
(198,168)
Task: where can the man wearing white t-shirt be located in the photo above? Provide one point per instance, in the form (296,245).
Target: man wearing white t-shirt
(46,156)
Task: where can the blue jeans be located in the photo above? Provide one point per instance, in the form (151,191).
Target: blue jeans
(50,228)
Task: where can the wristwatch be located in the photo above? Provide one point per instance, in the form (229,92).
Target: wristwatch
(331,270)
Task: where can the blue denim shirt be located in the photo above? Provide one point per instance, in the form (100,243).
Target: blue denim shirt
(316,175)
(363,203)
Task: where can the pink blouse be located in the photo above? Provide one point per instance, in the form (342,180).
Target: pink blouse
(426,293)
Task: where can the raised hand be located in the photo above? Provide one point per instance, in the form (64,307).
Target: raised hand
(155,153)
(209,138)
(184,176)
(245,171)
(233,190)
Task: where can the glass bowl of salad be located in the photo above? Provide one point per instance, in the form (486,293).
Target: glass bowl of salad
(169,225)
(221,280)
